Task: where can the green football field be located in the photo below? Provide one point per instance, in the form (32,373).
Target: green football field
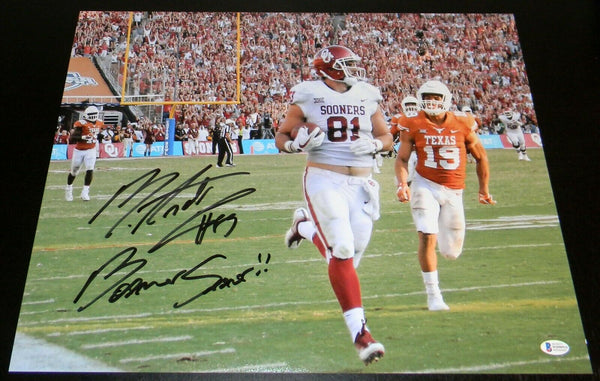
(177,267)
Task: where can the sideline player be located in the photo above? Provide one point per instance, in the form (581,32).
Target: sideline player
(410,108)
(514,132)
(341,195)
(441,139)
(477,128)
(85,135)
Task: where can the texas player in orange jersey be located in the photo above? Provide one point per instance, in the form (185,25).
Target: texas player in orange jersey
(441,139)
(85,132)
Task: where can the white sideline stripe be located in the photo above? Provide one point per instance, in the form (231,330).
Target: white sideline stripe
(96,331)
(176,355)
(136,342)
(34,355)
(480,368)
(282,304)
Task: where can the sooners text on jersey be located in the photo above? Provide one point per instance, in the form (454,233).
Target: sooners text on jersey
(343,117)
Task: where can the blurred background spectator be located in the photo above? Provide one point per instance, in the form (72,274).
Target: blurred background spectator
(192,57)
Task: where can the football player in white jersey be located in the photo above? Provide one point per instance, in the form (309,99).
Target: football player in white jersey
(514,132)
(341,196)
(410,108)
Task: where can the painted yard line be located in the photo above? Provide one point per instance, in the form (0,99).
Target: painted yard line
(488,367)
(316,259)
(136,342)
(100,169)
(511,226)
(38,302)
(96,318)
(278,367)
(34,312)
(142,244)
(519,246)
(97,331)
(523,217)
(53,249)
(176,355)
(280,304)
(463,289)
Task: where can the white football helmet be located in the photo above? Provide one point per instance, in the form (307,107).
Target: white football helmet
(410,105)
(434,107)
(509,115)
(340,64)
(466,109)
(91,114)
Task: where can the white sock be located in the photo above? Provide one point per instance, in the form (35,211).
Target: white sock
(431,282)
(70,187)
(86,189)
(354,321)
(306,229)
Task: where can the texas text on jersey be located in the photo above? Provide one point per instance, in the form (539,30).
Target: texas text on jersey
(442,153)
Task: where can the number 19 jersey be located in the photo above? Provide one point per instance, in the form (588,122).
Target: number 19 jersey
(441,150)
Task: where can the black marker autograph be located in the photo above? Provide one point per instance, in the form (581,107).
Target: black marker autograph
(159,202)
(153,206)
(123,288)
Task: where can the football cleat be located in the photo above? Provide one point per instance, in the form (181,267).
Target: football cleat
(69,194)
(293,237)
(436,303)
(85,196)
(369,350)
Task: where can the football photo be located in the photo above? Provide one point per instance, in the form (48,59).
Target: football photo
(247,193)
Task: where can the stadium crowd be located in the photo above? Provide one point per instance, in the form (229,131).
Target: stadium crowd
(187,56)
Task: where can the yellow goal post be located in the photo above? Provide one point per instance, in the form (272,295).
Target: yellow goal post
(159,99)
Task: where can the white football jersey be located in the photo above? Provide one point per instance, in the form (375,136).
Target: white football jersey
(513,123)
(342,116)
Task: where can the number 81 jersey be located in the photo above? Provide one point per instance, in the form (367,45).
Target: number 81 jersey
(441,149)
(344,117)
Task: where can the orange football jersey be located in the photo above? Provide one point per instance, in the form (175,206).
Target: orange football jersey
(89,133)
(394,124)
(441,150)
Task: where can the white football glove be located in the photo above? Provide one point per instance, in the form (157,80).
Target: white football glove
(366,146)
(306,141)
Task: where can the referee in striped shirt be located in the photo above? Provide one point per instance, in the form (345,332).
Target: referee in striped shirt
(224,144)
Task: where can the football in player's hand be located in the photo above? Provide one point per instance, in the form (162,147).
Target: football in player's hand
(311,127)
